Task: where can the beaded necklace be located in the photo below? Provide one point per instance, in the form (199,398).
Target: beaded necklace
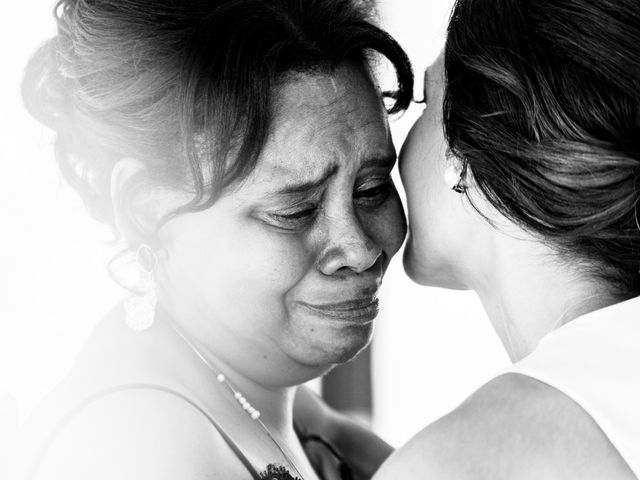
(253,413)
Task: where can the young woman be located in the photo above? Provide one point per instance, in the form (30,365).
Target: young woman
(241,151)
(522,180)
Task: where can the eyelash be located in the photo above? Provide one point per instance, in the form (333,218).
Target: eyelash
(297,215)
(369,197)
(377,194)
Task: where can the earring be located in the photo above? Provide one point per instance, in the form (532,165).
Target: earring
(140,308)
(459,187)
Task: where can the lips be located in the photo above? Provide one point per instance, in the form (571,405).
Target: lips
(360,310)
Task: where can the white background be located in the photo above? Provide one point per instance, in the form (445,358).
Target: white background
(432,348)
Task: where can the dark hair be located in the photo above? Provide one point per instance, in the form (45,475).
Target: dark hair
(543,101)
(169,83)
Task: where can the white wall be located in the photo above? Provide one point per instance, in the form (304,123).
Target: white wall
(53,286)
(432,346)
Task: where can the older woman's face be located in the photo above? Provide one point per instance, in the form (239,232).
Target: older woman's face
(280,277)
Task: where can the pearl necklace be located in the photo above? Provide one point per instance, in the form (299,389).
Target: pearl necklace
(252,412)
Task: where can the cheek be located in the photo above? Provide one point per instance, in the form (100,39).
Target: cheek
(422,163)
(412,159)
(232,264)
(387,226)
(429,199)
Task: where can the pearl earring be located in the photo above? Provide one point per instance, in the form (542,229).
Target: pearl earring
(140,308)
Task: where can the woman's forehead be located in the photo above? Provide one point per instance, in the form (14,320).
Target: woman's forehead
(314,95)
(434,79)
(326,118)
(325,125)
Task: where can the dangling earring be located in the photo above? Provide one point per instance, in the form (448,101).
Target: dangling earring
(140,308)
(459,187)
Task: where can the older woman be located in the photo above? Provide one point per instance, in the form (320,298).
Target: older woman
(529,196)
(241,151)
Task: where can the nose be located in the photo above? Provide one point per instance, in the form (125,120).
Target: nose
(348,248)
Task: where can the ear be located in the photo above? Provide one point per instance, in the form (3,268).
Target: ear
(132,217)
(452,171)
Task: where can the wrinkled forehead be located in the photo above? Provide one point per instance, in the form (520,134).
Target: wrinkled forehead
(346,98)
(322,119)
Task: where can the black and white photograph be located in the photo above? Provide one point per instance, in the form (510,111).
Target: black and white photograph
(320,240)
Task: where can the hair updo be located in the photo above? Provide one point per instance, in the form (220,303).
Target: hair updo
(543,101)
(185,87)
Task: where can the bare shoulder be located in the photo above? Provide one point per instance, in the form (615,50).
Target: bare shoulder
(514,427)
(141,435)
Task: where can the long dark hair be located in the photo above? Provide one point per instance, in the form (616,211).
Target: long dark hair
(543,102)
(185,86)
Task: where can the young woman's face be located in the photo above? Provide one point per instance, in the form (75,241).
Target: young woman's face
(441,233)
(280,277)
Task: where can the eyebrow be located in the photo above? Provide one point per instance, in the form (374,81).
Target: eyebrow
(312,185)
(309,186)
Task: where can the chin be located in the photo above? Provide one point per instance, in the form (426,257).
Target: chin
(429,270)
(340,347)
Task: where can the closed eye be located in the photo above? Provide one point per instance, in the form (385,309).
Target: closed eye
(296,215)
(375,194)
(294,219)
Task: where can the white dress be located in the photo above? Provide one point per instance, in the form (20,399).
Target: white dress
(595,360)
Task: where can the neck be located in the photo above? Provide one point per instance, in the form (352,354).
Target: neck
(528,292)
(275,404)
